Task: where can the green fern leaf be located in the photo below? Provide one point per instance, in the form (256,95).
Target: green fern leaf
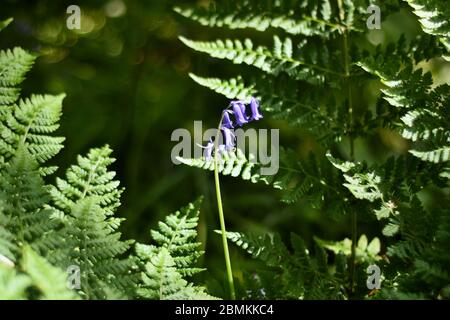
(7,243)
(14,64)
(307,18)
(30,123)
(280,60)
(173,257)
(177,234)
(47,279)
(24,197)
(88,241)
(434,18)
(5,23)
(162,281)
(89,177)
(13,286)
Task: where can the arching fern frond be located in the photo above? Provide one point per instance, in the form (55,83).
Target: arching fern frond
(424,121)
(178,235)
(321,18)
(173,257)
(89,177)
(387,184)
(88,241)
(302,18)
(233,88)
(37,280)
(296,275)
(13,286)
(24,196)
(7,245)
(313,178)
(305,62)
(30,123)
(5,23)
(421,252)
(50,281)
(283,100)
(162,281)
(268,248)
(435,19)
(14,64)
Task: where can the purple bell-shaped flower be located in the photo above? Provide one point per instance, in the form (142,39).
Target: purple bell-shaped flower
(226,122)
(239,112)
(207,153)
(228,136)
(254,107)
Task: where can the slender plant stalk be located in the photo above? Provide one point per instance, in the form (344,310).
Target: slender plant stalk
(353,218)
(221,215)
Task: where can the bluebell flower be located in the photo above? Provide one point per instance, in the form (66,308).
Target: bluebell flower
(243,110)
(238,107)
(254,107)
(222,148)
(226,122)
(239,112)
(228,137)
(208,149)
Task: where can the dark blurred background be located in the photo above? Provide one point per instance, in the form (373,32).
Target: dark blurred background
(125,74)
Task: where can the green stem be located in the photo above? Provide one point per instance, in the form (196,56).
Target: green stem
(353,218)
(353,256)
(354,230)
(221,215)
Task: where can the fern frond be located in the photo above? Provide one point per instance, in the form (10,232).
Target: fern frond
(315,179)
(434,17)
(365,251)
(244,15)
(178,234)
(24,197)
(298,275)
(283,100)
(14,64)
(436,156)
(422,252)
(30,123)
(322,18)
(233,88)
(5,23)
(37,280)
(7,243)
(232,163)
(305,66)
(89,177)
(424,120)
(50,281)
(268,248)
(89,243)
(13,286)
(172,257)
(162,281)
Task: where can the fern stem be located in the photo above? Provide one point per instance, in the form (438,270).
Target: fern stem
(353,254)
(221,215)
(353,219)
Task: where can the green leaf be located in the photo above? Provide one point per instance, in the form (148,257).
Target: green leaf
(49,280)
(5,23)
